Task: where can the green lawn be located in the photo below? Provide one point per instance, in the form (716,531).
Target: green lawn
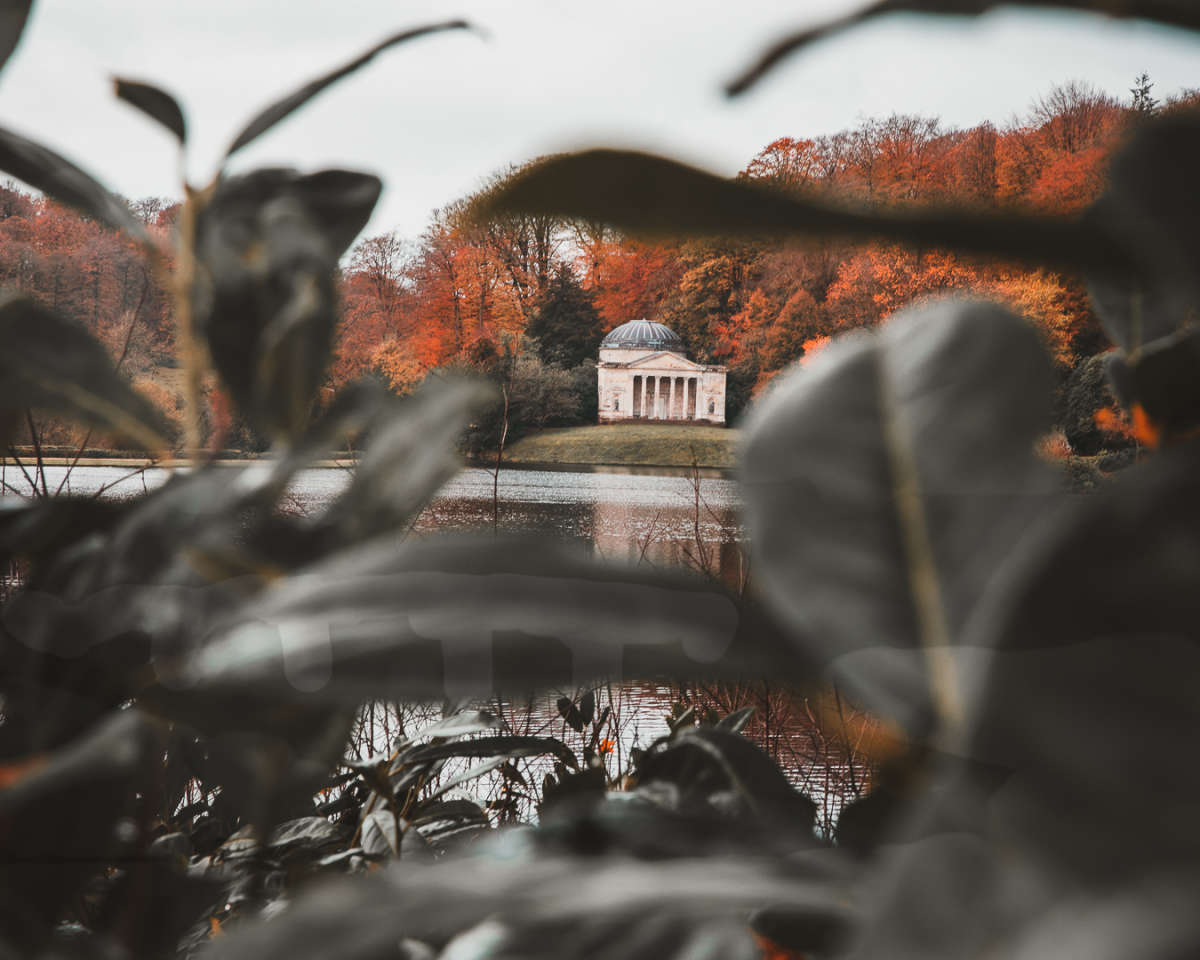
(628,445)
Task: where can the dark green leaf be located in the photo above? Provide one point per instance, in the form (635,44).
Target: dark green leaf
(430,811)
(1151,208)
(57,821)
(410,456)
(61,180)
(885,481)
(1163,378)
(13,16)
(265,301)
(340,202)
(553,907)
(458,616)
(471,773)
(682,719)
(306,838)
(155,103)
(461,724)
(736,721)
(587,706)
(51,363)
(651,195)
(1101,611)
(1179,13)
(822,933)
(507,746)
(165,901)
(765,796)
(380,834)
(570,713)
(270,116)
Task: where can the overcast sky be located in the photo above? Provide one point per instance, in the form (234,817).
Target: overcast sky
(435,117)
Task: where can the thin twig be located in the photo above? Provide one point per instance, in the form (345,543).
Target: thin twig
(35,436)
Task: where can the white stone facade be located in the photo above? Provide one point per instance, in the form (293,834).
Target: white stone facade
(639,383)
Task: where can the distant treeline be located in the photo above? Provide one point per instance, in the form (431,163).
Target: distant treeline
(481,298)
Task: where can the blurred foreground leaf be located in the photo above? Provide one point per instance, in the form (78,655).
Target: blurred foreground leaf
(267,245)
(13,16)
(1178,13)
(154,103)
(61,180)
(884,482)
(57,823)
(645,194)
(272,114)
(461,617)
(50,363)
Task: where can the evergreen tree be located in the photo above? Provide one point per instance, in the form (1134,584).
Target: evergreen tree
(1143,102)
(566,325)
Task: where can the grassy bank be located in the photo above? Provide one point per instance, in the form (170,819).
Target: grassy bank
(629,445)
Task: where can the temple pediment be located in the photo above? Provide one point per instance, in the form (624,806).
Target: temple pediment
(665,360)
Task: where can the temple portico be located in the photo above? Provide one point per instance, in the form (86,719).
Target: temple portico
(644,375)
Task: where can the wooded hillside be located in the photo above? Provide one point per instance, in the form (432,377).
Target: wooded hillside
(462,295)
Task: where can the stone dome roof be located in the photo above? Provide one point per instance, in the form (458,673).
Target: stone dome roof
(642,335)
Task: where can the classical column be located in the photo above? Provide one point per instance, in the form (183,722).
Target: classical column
(636,409)
(665,384)
(677,396)
(691,398)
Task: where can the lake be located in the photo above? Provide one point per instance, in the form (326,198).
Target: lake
(662,519)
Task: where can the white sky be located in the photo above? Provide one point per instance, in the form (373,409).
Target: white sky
(436,116)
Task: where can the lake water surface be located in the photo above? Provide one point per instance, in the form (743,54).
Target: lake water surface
(629,516)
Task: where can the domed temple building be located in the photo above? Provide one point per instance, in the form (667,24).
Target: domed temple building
(644,374)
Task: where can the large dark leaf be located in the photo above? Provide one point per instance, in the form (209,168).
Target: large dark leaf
(268,245)
(553,907)
(410,456)
(1089,698)
(736,721)
(57,820)
(1151,208)
(155,103)
(710,765)
(645,194)
(1179,13)
(509,746)
(271,115)
(149,907)
(462,617)
(61,180)
(883,483)
(51,363)
(461,724)
(13,15)
(1088,704)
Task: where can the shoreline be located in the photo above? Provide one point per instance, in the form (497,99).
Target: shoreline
(142,463)
(671,449)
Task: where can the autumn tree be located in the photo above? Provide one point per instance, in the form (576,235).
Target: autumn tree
(632,279)
(709,293)
(1074,116)
(526,247)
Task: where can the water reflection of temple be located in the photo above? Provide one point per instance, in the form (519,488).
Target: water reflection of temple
(669,537)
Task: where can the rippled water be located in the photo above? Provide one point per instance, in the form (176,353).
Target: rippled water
(625,516)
